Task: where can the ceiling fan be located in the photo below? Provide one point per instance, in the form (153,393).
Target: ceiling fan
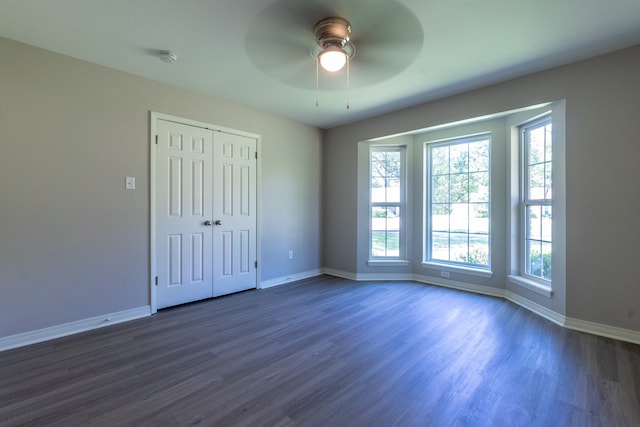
(287,39)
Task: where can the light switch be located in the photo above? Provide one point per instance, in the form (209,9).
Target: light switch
(130,182)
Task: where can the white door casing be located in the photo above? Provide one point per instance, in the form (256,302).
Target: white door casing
(202,178)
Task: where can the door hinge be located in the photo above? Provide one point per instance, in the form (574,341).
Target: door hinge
(256,155)
(156,280)
(156,139)
(255,264)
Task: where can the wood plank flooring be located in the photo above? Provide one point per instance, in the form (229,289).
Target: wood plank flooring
(327,352)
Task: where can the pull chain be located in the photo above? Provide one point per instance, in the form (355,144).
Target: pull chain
(348,81)
(317,80)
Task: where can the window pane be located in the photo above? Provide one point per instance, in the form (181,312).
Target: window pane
(393,218)
(538,241)
(385,218)
(459,247)
(393,190)
(378,243)
(459,217)
(547,181)
(385,231)
(440,217)
(534,222)
(479,187)
(459,192)
(440,246)
(546,219)
(393,244)
(385,244)
(478,250)
(377,190)
(536,146)
(546,261)
(534,259)
(548,146)
(479,218)
(440,189)
(439,160)
(377,165)
(459,161)
(385,176)
(479,156)
(536,182)
(539,259)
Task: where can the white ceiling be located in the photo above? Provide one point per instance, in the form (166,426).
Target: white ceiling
(464,44)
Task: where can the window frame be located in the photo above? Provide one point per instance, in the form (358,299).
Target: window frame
(526,201)
(402,204)
(429,261)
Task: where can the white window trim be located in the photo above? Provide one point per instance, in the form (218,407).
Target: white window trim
(558,279)
(531,285)
(401,259)
(375,262)
(452,268)
(525,201)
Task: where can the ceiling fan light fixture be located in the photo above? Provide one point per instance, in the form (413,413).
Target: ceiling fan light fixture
(333,48)
(333,58)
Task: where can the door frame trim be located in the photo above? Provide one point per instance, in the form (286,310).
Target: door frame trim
(153,188)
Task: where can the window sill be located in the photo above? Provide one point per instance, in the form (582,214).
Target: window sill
(387,262)
(531,285)
(462,270)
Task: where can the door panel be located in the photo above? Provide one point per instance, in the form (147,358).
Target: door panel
(235,237)
(184,203)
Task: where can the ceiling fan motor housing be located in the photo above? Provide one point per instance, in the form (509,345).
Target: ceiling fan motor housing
(332,31)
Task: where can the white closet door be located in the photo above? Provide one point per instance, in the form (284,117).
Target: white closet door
(234,213)
(183,213)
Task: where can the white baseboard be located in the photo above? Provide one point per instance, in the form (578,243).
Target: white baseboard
(45,334)
(290,278)
(372,277)
(339,273)
(603,330)
(593,328)
(367,276)
(557,318)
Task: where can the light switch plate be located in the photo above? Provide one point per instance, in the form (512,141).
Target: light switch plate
(130,182)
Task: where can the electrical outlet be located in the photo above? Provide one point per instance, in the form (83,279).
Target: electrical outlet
(130,183)
(445,274)
(290,254)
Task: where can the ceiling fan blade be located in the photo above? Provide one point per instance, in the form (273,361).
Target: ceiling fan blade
(386,34)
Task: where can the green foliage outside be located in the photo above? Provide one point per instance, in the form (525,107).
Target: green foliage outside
(385,244)
(540,265)
(478,256)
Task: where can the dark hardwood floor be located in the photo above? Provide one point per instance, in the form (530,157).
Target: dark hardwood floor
(327,352)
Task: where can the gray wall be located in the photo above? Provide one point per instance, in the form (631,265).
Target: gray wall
(73,243)
(602,176)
